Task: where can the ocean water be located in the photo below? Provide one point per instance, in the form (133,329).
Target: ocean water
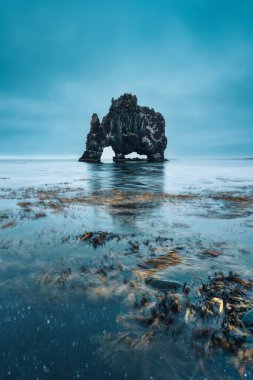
(69,308)
(173,176)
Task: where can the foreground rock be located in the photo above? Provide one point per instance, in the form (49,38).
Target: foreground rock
(248,319)
(127,128)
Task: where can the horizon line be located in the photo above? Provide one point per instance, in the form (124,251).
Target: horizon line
(74,157)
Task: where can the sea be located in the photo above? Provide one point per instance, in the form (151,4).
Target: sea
(95,256)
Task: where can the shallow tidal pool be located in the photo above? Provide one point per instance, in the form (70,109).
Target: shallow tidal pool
(133,270)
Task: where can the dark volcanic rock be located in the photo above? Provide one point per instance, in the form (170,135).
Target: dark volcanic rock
(127,128)
(247,319)
(163,284)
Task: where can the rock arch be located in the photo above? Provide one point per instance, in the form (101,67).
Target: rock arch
(127,128)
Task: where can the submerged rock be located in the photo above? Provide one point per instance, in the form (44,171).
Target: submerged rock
(163,284)
(127,128)
(247,319)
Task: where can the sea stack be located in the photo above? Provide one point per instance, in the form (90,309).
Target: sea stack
(127,128)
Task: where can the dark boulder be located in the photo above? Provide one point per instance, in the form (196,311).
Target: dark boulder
(247,319)
(163,284)
(127,128)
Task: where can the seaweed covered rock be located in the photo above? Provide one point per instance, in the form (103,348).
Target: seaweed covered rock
(127,128)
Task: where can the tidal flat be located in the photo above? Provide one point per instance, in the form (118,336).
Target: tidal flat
(126,270)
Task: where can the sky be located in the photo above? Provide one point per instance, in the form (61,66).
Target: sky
(191,60)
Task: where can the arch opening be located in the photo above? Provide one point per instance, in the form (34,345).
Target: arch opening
(107,154)
(135,155)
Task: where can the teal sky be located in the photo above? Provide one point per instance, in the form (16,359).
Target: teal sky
(192,60)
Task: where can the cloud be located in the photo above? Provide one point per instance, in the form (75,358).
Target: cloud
(62,61)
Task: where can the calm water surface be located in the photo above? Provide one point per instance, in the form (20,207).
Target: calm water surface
(56,316)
